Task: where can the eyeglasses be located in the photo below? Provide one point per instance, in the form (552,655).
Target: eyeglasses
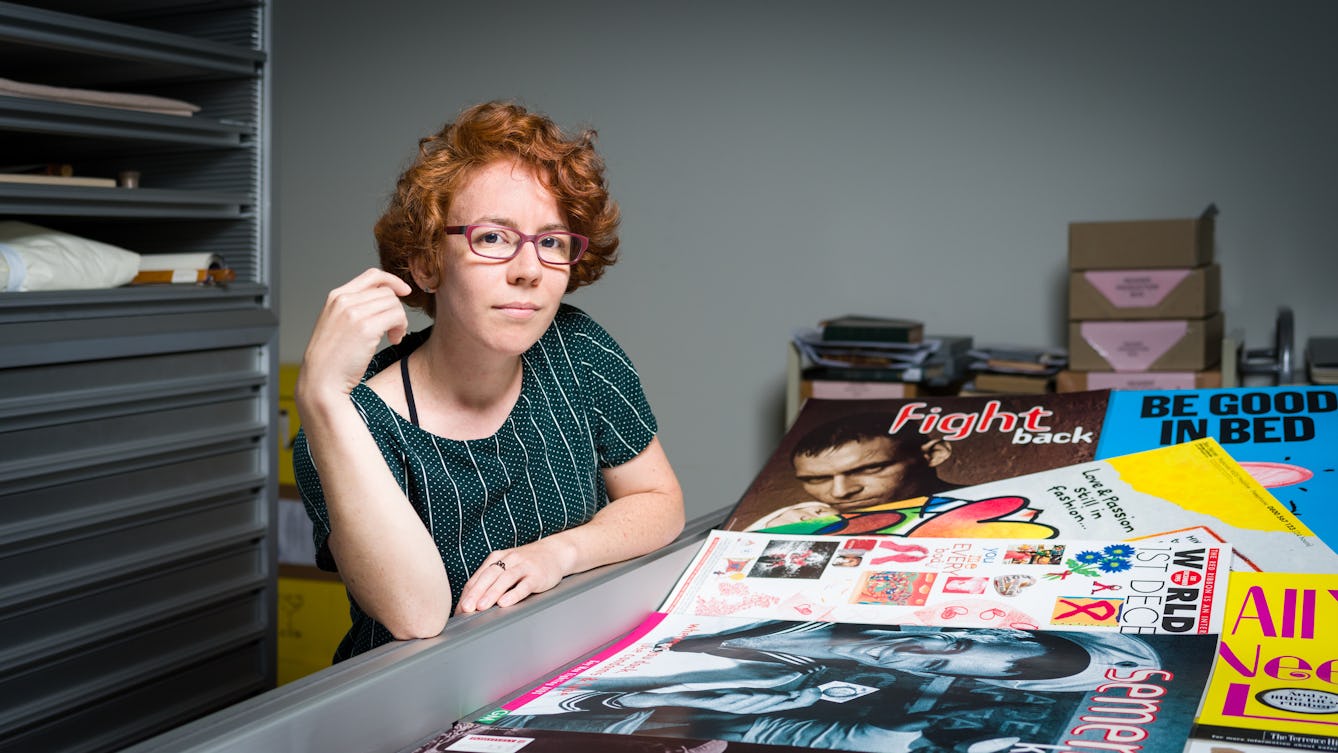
(503,243)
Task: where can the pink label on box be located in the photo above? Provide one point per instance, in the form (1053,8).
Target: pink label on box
(1148,380)
(832,389)
(1133,346)
(1136,288)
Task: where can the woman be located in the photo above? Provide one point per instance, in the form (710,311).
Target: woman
(509,444)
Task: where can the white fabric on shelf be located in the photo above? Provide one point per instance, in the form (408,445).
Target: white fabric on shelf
(38,258)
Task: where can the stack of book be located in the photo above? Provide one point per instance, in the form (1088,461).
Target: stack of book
(857,356)
(1321,359)
(52,174)
(201,268)
(1014,369)
(1144,305)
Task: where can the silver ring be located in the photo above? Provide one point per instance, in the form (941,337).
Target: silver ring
(500,564)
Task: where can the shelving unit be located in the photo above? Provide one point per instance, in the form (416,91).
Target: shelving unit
(137,431)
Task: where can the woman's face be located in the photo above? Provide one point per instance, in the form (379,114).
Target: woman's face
(937,653)
(499,306)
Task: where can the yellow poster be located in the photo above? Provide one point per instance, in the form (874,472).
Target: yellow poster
(1275,680)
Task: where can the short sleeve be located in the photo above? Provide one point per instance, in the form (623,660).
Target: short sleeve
(620,416)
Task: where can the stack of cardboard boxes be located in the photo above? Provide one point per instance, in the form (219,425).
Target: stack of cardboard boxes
(1144,305)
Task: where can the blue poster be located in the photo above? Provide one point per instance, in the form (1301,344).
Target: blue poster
(1286,437)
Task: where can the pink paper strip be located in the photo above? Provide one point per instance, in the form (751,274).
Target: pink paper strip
(1133,346)
(1136,288)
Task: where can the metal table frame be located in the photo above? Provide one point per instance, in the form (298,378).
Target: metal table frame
(390,698)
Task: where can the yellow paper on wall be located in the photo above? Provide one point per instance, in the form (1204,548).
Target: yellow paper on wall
(288,422)
(313,618)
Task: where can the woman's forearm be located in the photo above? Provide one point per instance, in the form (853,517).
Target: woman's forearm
(644,514)
(386,556)
(627,527)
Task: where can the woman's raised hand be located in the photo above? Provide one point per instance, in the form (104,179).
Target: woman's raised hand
(348,331)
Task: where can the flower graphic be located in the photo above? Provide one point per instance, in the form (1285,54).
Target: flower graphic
(1088,557)
(1122,551)
(1115,565)
(1112,559)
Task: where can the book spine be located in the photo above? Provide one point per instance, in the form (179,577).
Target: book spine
(857,333)
(193,276)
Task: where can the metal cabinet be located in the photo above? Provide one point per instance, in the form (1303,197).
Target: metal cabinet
(137,440)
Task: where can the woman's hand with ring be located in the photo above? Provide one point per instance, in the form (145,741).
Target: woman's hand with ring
(509,575)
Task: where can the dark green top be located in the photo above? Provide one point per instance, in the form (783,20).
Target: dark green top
(581,408)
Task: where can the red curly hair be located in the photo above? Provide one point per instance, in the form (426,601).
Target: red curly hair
(412,229)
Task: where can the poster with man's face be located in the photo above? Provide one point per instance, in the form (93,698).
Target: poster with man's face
(849,454)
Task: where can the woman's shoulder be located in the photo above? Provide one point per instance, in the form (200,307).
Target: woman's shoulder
(392,354)
(574,326)
(576,342)
(380,397)
(573,318)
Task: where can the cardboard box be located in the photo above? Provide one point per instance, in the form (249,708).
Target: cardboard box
(1321,358)
(1142,244)
(1185,293)
(1151,345)
(1078,381)
(1013,384)
(839,389)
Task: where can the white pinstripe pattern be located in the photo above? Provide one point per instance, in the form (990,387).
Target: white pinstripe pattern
(506,501)
(614,388)
(614,429)
(320,518)
(529,481)
(586,503)
(459,515)
(614,353)
(580,410)
(548,463)
(483,484)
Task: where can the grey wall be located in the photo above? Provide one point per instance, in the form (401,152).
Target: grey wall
(778,162)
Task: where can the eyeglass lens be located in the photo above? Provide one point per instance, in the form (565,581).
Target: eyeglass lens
(556,247)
